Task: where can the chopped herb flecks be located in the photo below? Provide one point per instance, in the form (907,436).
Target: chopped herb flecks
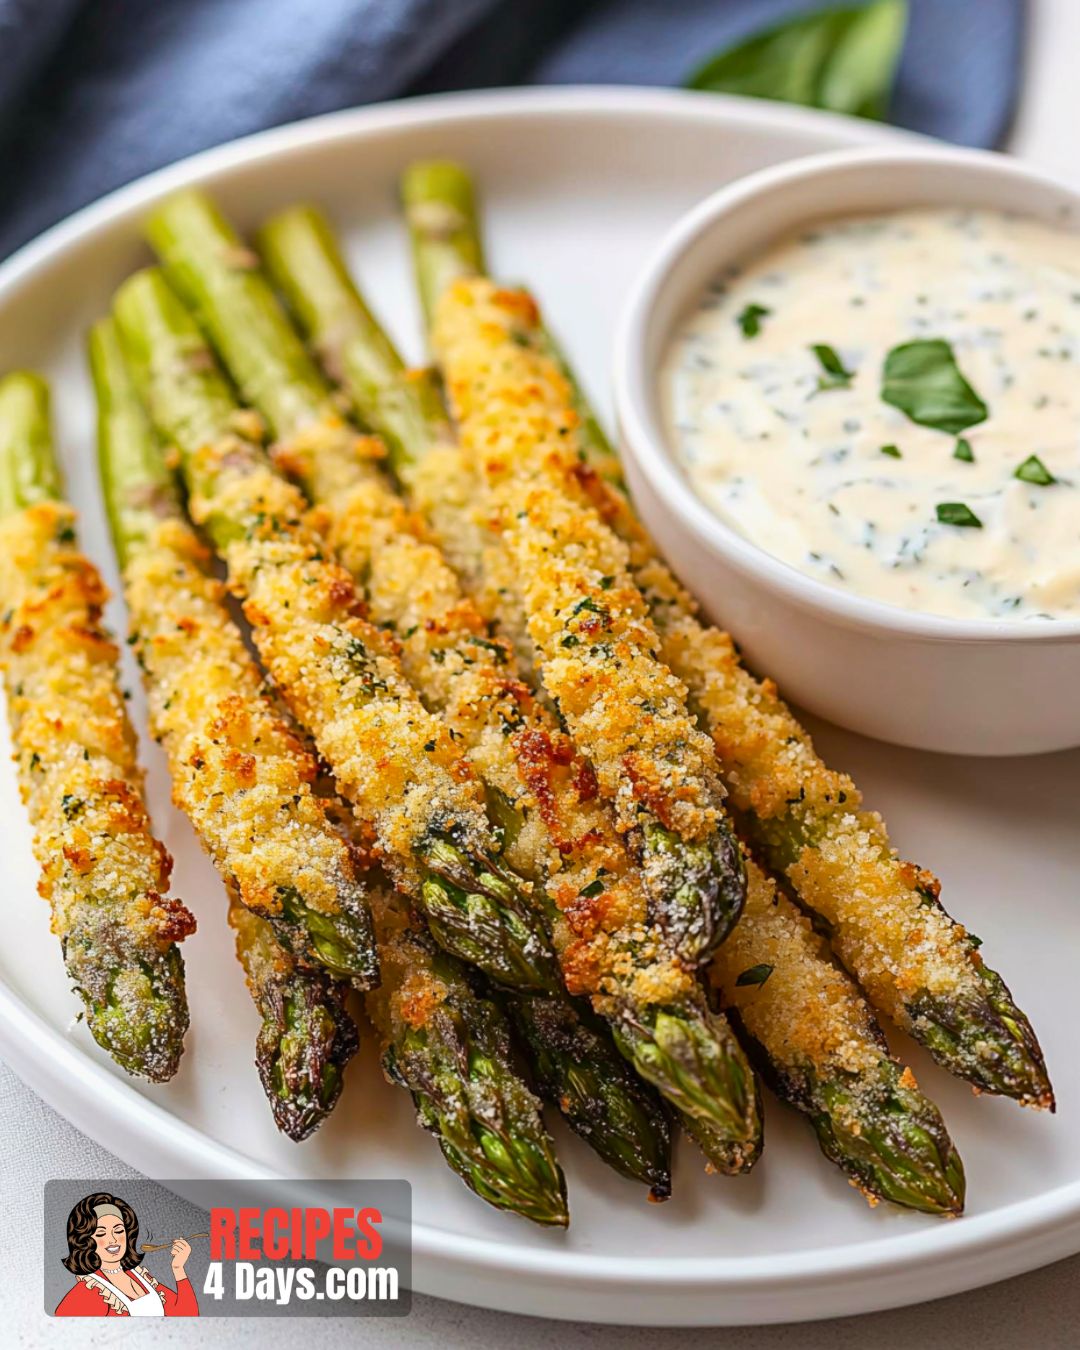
(1033,470)
(750,319)
(956,513)
(836,375)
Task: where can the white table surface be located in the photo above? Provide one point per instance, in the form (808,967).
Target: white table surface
(1041,1309)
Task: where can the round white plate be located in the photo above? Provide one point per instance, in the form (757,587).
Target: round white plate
(577,186)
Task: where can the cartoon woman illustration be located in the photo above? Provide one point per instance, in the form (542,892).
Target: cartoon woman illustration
(103,1252)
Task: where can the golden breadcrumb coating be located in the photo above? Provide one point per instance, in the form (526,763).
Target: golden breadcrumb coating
(888,928)
(445,489)
(238,770)
(558,831)
(805,1012)
(341,676)
(102,871)
(590,624)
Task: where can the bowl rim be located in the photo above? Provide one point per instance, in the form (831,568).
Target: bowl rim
(643,437)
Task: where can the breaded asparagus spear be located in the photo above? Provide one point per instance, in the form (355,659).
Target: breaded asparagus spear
(597,648)
(394,761)
(813,1035)
(238,772)
(556,830)
(307,1035)
(815,1041)
(412,592)
(102,871)
(451,1049)
(805,820)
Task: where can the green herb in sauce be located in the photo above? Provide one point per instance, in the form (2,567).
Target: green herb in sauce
(923,380)
(893,451)
(836,375)
(1033,470)
(956,513)
(964,451)
(750,319)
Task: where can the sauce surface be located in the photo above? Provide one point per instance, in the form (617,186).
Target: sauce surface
(772,391)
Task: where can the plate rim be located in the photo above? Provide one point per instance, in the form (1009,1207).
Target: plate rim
(859,1277)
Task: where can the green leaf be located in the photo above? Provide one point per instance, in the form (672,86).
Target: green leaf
(1033,470)
(923,380)
(893,451)
(750,319)
(843,59)
(964,451)
(956,513)
(836,375)
(755,975)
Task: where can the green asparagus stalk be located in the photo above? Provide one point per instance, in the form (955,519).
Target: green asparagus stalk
(254,336)
(307,1036)
(391,758)
(440,210)
(815,1041)
(661,1021)
(885,918)
(578,1069)
(805,820)
(102,871)
(451,1049)
(653,763)
(238,772)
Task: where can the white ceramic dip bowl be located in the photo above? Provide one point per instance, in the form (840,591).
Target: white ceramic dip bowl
(962,686)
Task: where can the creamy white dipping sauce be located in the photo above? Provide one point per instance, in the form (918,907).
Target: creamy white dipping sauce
(848,488)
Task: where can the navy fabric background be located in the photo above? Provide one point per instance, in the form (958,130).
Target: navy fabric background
(94,93)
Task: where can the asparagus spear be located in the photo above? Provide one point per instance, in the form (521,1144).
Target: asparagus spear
(806,820)
(451,1049)
(542,789)
(102,871)
(597,647)
(370,529)
(392,759)
(238,770)
(884,916)
(814,1040)
(307,1036)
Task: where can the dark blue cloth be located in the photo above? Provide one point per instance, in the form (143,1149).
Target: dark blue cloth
(94,93)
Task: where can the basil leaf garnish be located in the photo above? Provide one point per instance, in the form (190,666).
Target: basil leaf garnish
(755,975)
(836,376)
(1033,470)
(964,451)
(956,513)
(843,59)
(750,319)
(923,380)
(893,451)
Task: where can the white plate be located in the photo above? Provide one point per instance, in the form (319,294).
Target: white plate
(578,184)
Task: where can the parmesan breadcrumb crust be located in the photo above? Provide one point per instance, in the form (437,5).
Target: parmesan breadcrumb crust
(887,924)
(590,624)
(804,1011)
(102,871)
(819,1046)
(557,831)
(396,762)
(239,771)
